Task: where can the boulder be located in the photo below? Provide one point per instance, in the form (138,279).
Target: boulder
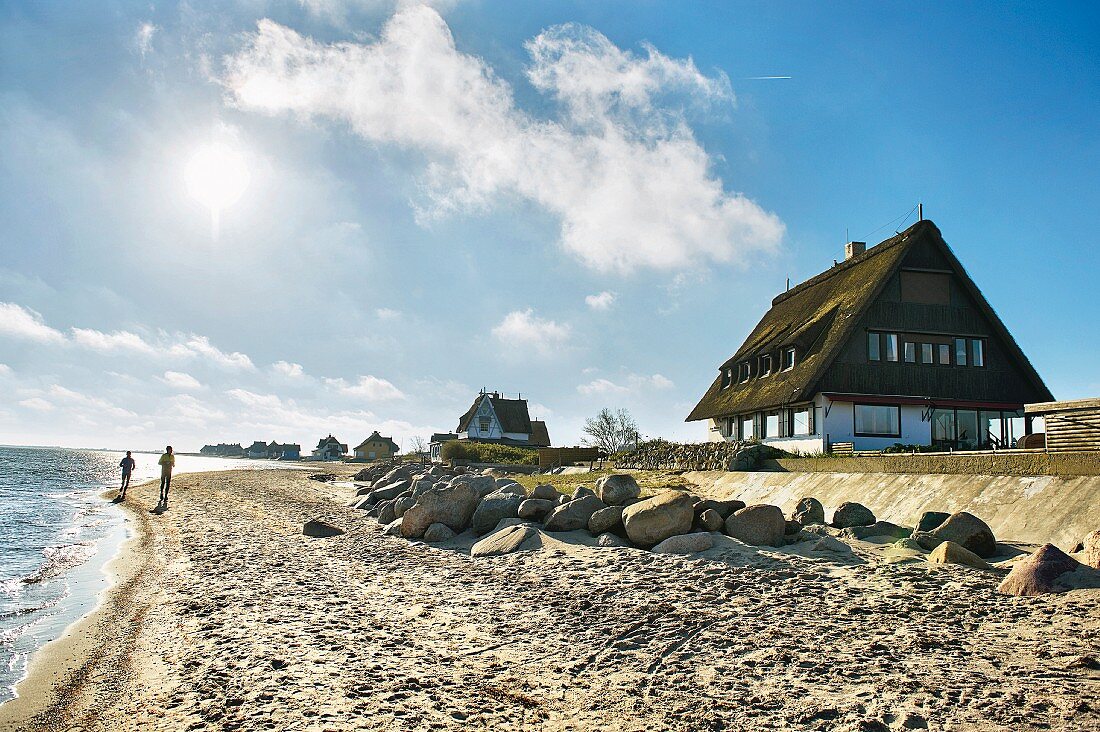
(363,503)
(386,512)
(320,530)
(438,532)
(574,514)
(931,519)
(403,504)
(832,545)
(393,528)
(581,491)
(791,528)
(389,492)
(420,486)
(1044,571)
(482,484)
(852,514)
(610,539)
(759,525)
(653,520)
(505,541)
(684,544)
(879,528)
(724,508)
(492,509)
(711,520)
(968,531)
(535,508)
(809,511)
(507,485)
(562,499)
(615,489)
(545,491)
(949,552)
(1090,550)
(452,505)
(605,520)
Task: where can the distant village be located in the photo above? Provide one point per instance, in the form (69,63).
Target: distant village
(492,419)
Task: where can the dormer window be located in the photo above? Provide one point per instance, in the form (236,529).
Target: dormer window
(788,359)
(727,377)
(744,370)
(765,365)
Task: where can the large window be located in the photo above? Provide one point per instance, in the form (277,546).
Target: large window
(484,423)
(977,352)
(877,420)
(747,431)
(743,372)
(765,365)
(771,425)
(944,354)
(800,421)
(943,428)
(891,346)
(874,347)
(966,425)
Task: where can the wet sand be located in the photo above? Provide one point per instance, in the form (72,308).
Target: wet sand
(226,617)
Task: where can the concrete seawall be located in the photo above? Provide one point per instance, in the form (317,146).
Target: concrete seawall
(1035,510)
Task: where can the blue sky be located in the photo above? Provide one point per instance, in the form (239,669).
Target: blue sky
(588,203)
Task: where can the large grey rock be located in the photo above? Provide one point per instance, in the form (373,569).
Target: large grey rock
(483,484)
(438,532)
(931,519)
(393,528)
(363,504)
(879,528)
(505,541)
(573,515)
(452,505)
(610,539)
(684,544)
(968,531)
(605,520)
(545,491)
(615,489)
(1044,571)
(420,486)
(852,514)
(320,530)
(711,520)
(653,520)
(492,509)
(386,511)
(951,553)
(581,491)
(759,525)
(535,508)
(403,504)
(507,485)
(809,511)
(389,492)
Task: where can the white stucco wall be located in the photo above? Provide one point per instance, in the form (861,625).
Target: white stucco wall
(839,426)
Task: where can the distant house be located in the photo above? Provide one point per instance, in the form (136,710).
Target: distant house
(435,445)
(223,449)
(896,344)
(376,447)
(257,450)
(330,449)
(290,451)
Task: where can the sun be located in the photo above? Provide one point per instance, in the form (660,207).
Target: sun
(216,176)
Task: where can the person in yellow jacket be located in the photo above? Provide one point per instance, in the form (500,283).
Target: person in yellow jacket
(167,462)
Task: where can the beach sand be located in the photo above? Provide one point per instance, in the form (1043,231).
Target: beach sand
(226,617)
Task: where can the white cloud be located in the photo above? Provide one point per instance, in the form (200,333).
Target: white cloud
(524,328)
(620,166)
(143,37)
(368,387)
(181,381)
(252,399)
(5,370)
(38,404)
(635,383)
(120,340)
(289,370)
(387,313)
(84,403)
(200,346)
(26,324)
(602,301)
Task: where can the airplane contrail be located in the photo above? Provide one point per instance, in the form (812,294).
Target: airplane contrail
(762,78)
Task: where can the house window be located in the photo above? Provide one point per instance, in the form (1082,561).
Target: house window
(788,359)
(874,343)
(960,351)
(877,420)
(926,353)
(943,428)
(910,352)
(945,354)
(771,425)
(747,431)
(891,346)
(765,365)
(743,372)
(800,421)
(727,377)
(977,351)
(483,423)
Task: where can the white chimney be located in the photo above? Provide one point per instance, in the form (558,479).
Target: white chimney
(854,249)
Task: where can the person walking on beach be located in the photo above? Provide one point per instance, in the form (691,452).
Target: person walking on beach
(167,462)
(127,466)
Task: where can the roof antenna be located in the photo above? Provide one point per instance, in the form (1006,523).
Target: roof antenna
(920,211)
(788,284)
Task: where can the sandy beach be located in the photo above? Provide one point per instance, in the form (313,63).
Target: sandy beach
(224,616)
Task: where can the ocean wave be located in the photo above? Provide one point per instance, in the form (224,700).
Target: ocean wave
(59,559)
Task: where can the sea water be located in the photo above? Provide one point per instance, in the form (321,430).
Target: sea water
(57,533)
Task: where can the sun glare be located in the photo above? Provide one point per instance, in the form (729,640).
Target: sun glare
(217,177)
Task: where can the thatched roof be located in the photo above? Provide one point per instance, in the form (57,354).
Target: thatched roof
(819,316)
(540,436)
(511,413)
(374,436)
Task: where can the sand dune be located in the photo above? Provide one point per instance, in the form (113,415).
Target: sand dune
(226,617)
